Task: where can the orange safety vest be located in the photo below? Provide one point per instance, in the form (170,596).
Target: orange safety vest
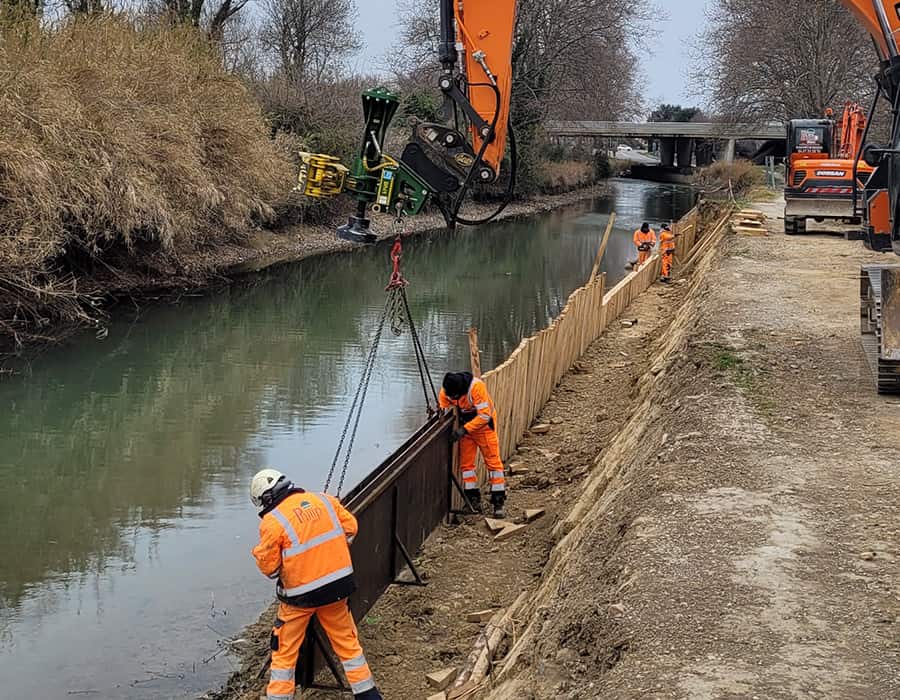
(667,242)
(640,238)
(476,408)
(304,543)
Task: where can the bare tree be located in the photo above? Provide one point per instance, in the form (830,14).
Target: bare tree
(310,40)
(782,59)
(571,58)
(199,14)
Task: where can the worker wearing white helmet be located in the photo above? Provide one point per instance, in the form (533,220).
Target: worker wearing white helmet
(304,543)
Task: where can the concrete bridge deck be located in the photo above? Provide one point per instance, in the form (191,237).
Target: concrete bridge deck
(691,130)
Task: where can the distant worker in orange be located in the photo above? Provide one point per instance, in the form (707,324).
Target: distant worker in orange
(304,543)
(477,431)
(667,252)
(644,240)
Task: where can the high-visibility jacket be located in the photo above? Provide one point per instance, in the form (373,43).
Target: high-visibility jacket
(476,407)
(641,238)
(666,242)
(304,543)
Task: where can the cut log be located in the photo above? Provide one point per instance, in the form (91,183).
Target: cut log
(480,660)
(437,696)
(532,514)
(441,679)
(540,428)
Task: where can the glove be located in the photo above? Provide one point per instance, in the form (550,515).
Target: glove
(458,434)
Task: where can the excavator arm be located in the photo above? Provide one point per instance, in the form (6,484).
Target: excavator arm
(880,284)
(444,159)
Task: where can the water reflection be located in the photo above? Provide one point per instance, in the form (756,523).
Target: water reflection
(126,526)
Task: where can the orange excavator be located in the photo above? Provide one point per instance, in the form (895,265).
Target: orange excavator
(822,175)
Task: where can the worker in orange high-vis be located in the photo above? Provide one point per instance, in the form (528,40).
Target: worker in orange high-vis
(644,240)
(304,543)
(477,431)
(667,252)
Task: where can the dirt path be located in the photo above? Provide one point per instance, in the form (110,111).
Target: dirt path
(755,553)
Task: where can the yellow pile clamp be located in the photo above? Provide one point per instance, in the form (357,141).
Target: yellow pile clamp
(321,176)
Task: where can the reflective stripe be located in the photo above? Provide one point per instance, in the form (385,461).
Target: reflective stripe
(362,686)
(483,404)
(475,381)
(355,663)
(470,474)
(485,416)
(282,674)
(495,475)
(319,582)
(350,539)
(288,528)
(298,548)
(269,696)
(498,487)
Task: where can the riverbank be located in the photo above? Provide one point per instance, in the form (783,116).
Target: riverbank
(166,277)
(413,631)
(722,523)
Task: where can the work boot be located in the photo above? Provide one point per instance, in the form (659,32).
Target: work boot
(371,694)
(473,496)
(498,500)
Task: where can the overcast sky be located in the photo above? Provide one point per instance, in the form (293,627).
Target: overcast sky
(665,62)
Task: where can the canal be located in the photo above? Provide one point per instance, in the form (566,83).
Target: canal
(125,462)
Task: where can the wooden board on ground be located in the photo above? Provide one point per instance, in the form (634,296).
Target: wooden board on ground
(747,231)
(532,514)
(508,532)
(443,678)
(495,525)
(480,616)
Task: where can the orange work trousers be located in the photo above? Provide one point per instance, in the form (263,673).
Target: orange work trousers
(666,264)
(644,256)
(290,629)
(485,440)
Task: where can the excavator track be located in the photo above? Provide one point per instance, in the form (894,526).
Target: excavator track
(880,324)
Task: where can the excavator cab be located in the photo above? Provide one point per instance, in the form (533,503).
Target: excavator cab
(822,176)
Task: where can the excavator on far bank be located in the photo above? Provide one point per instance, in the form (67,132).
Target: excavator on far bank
(444,160)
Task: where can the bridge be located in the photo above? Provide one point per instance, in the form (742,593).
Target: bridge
(675,138)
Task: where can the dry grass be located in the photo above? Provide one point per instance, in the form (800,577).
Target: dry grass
(564,176)
(119,139)
(734,179)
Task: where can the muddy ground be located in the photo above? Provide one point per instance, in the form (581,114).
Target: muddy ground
(721,484)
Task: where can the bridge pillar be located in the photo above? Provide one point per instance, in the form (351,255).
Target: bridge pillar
(704,153)
(727,153)
(667,151)
(685,148)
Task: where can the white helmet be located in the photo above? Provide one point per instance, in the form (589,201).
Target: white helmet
(263,481)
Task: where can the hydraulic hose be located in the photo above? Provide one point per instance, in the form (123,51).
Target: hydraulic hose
(452,217)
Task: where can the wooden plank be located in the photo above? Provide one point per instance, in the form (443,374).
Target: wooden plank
(474,352)
(602,249)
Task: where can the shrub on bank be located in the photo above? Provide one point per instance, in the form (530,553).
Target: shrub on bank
(115,137)
(735,179)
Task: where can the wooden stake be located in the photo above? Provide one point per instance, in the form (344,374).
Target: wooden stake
(474,353)
(602,249)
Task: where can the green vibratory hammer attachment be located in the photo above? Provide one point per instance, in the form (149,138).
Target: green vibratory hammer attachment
(375,178)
